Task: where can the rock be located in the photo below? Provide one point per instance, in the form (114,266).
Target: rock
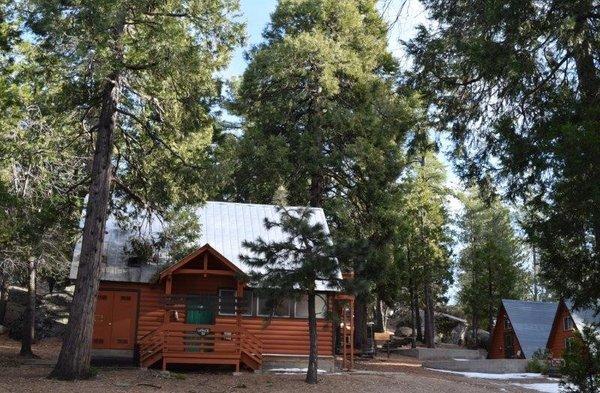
(3,329)
(483,338)
(403,331)
(457,335)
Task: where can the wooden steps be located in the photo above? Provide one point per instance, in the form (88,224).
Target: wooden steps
(179,343)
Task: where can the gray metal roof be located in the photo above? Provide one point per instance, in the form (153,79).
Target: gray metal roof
(532,322)
(583,317)
(224,226)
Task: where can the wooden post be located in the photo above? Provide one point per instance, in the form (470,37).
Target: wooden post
(168,288)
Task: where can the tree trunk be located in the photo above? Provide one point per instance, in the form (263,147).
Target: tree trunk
(311,372)
(379,323)
(74,359)
(29,322)
(413,316)
(3,296)
(490,288)
(418,319)
(429,317)
(360,323)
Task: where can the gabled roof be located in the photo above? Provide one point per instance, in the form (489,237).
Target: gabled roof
(223,225)
(583,317)
(191,256)
(531,322)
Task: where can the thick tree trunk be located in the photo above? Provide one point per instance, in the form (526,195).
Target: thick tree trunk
(3,296)
(379,318)
(311,372)
(360,323)
(29,323)
(429,317)
(74,359)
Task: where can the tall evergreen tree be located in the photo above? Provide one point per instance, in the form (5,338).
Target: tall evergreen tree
(140,78)
(323,121)
(517,85)
(491,263)
(423,240)
(284,269)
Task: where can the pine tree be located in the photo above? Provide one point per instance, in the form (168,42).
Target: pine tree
(323,120)
(139,76)
(424,241)
(284,269)
(491,263)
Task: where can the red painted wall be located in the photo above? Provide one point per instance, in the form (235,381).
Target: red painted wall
(497,350)
(558,334)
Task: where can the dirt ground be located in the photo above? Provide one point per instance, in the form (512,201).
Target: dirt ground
(376,376)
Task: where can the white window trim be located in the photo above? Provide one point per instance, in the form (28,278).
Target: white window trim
(323,297)
(289,308)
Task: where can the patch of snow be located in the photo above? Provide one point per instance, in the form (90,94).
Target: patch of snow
(490,375)
(293,370)
(540,387)
(461,360)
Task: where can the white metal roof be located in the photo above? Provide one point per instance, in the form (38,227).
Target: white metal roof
(224,226)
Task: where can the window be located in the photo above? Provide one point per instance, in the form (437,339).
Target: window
(264,308)
(568,343)
(301,307)
(569,324)
(227,302)
(507,324)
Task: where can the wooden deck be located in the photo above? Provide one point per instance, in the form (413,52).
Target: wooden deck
(181,343)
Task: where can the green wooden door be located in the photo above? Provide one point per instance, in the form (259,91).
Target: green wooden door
(199,313)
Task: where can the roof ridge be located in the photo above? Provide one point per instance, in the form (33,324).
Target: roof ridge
(264,204)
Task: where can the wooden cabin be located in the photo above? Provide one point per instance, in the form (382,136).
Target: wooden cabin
(567,321)
(200,310)
(521,329)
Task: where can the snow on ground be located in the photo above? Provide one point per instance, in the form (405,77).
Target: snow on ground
(540,387)
(491,376)
(293,370)
(461,360)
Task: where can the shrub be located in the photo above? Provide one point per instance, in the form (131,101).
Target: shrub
(581,365)
(539,362)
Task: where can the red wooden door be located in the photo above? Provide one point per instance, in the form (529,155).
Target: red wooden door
(115,320)
(123,320)
(103,320)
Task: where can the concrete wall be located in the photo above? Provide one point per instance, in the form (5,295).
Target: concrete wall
(441,353)
(493,366)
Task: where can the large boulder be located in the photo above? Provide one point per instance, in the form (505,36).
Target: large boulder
(483,339)
(403,331)
(51,315)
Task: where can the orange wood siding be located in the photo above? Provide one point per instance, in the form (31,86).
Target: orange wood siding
(497,341)
(558,334)
(284,336)
(197,284)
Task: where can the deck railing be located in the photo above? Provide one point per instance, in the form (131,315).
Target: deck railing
(203,344)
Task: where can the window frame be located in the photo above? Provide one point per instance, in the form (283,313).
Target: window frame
(568,323)
(219,312)
(248,314)
(258,313)
(322,297)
